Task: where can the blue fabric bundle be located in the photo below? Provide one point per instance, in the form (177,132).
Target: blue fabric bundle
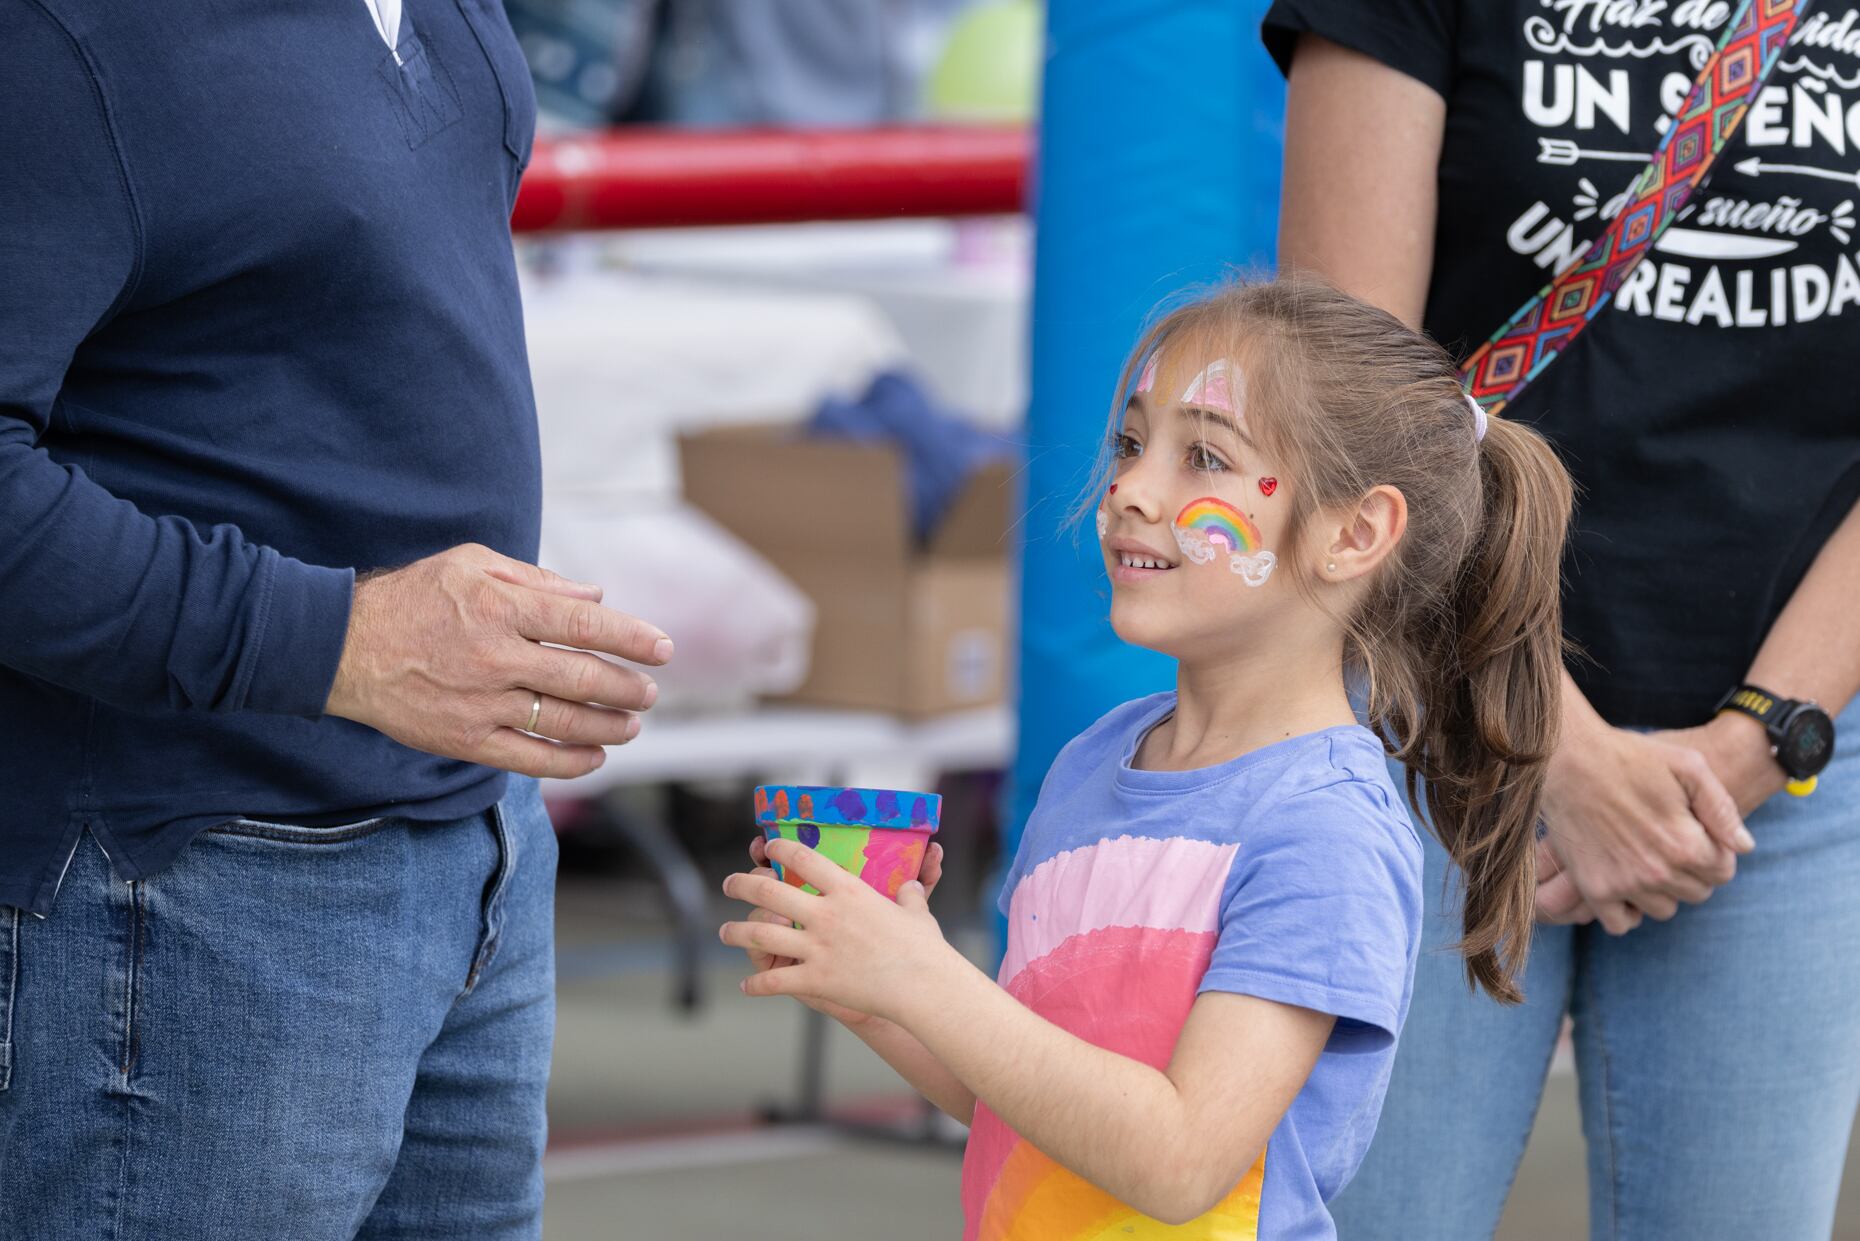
(941,450)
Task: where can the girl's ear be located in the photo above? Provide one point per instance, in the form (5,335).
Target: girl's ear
(1363,537)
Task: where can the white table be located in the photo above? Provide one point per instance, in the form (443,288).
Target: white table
(803,745)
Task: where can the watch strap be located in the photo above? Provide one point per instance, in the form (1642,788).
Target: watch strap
(1758,703)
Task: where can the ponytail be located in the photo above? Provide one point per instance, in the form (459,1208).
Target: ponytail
(1490,700)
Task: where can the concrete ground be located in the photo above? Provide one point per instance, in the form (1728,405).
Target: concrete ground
(655,1130)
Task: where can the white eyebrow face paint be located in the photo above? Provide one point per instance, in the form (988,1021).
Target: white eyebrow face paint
(1215,387)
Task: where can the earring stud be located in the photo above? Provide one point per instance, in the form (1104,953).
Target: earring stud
(1331,567)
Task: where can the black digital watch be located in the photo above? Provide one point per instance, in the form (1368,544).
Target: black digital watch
(1801,734)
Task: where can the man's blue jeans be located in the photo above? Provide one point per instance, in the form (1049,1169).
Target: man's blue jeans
(1718,1053)
(292,1032)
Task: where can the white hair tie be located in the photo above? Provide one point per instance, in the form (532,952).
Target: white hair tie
(1479,419)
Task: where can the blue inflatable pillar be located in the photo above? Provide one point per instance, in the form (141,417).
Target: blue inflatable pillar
(1161,136)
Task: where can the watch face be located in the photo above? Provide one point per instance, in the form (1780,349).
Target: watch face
(1807,745)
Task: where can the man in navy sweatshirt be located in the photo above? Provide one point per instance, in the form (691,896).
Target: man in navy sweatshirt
(275,924)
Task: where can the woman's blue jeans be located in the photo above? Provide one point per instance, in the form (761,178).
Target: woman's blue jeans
(312,1033)
(1718,1053)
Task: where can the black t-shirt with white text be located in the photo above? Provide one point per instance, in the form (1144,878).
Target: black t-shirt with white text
(1712,434)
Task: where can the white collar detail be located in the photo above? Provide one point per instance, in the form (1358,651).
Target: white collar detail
(386,14)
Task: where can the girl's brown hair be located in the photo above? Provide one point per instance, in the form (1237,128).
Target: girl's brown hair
(1457,637)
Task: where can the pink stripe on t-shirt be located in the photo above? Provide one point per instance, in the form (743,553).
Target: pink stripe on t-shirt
(1170,884)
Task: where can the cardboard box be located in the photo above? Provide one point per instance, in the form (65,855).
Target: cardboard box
(899,628)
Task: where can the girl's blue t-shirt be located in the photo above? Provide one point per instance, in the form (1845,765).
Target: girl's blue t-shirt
(1292,873)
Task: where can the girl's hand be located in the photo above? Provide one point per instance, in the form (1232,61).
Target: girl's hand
(850,946)
(930,874)
(1636,824)
(761,962)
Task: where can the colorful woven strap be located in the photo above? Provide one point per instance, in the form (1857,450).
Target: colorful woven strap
(1544,328)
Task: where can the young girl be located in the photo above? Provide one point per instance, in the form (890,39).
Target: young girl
(1215,911)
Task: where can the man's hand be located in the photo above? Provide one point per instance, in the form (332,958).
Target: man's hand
(446,655)
(1636,824)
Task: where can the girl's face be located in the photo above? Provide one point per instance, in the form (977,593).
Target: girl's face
(1195,523)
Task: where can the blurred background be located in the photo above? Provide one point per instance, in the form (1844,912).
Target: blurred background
(825,303)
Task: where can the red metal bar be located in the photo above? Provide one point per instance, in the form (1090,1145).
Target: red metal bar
(651,178)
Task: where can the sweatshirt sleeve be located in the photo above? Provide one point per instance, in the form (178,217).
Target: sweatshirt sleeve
(144,612)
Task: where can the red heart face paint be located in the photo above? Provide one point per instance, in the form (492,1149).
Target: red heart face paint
(1113,488)
(1268,485)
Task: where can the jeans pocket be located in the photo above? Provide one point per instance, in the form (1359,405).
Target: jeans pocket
(504,833)
(298,834)
(9,988)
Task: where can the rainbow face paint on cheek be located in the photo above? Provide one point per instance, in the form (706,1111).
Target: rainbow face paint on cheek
(1211,527)
(1220,523)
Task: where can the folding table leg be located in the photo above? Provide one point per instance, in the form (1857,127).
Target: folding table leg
(685,894)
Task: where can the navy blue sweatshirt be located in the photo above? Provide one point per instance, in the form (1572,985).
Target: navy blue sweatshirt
(259,329)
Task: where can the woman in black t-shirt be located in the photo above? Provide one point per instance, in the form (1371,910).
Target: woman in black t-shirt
(1445,158)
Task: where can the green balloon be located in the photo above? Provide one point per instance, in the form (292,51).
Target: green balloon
(989,70)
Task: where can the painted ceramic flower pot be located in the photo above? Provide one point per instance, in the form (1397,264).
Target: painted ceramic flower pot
(878,834)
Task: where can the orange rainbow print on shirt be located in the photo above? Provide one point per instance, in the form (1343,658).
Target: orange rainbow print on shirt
(1038,1200)
(1109,942)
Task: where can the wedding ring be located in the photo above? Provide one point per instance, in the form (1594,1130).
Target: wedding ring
(535,713)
